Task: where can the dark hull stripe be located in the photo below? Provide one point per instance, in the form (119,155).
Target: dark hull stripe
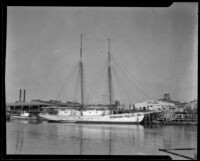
(105,122)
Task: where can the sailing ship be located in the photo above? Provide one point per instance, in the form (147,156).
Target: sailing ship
(94,115)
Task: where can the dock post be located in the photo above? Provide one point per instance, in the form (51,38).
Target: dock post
(151,118)
(20,93)
(147,118)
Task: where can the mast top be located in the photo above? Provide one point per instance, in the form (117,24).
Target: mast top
(81,48)
(109,58)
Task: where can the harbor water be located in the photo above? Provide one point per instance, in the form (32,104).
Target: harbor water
(24,137)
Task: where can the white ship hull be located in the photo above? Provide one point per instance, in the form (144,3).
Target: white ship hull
(70,115)
(57,118)
(133,118)
(21,117)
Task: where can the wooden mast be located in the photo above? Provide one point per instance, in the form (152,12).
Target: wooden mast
(81,70)
(109,77)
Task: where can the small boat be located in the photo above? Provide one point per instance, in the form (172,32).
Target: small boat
(22,115)
(59,115)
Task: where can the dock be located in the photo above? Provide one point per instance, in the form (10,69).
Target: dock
(170,118)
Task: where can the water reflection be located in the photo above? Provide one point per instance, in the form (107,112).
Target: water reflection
(81,140)
(86,139)
(96,139)
(113,139)
(110,141)
(19,140)
(174,136)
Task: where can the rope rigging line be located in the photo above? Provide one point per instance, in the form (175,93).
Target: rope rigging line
(118,62)
(112,89)
(119,84)
(84,89)
(135,84)
(116,78)
(93,39)
(87,99)
(97,84)
(67,78)
(122,67)
(92,49)
(76,89)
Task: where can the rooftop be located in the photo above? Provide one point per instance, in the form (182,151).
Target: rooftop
(170,101)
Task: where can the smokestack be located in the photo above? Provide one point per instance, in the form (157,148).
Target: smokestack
(20,94)
(24,95)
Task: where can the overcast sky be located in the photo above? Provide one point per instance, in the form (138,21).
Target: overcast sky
(154,52)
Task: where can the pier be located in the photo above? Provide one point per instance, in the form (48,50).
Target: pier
(170,118)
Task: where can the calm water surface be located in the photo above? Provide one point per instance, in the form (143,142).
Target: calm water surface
(24,137)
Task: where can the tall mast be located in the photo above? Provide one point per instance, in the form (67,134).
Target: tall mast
(109,77)
(81,70)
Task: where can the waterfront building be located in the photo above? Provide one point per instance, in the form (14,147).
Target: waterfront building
(37,105)
(179,106)
(191,107)
(165,103)
(154,105)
